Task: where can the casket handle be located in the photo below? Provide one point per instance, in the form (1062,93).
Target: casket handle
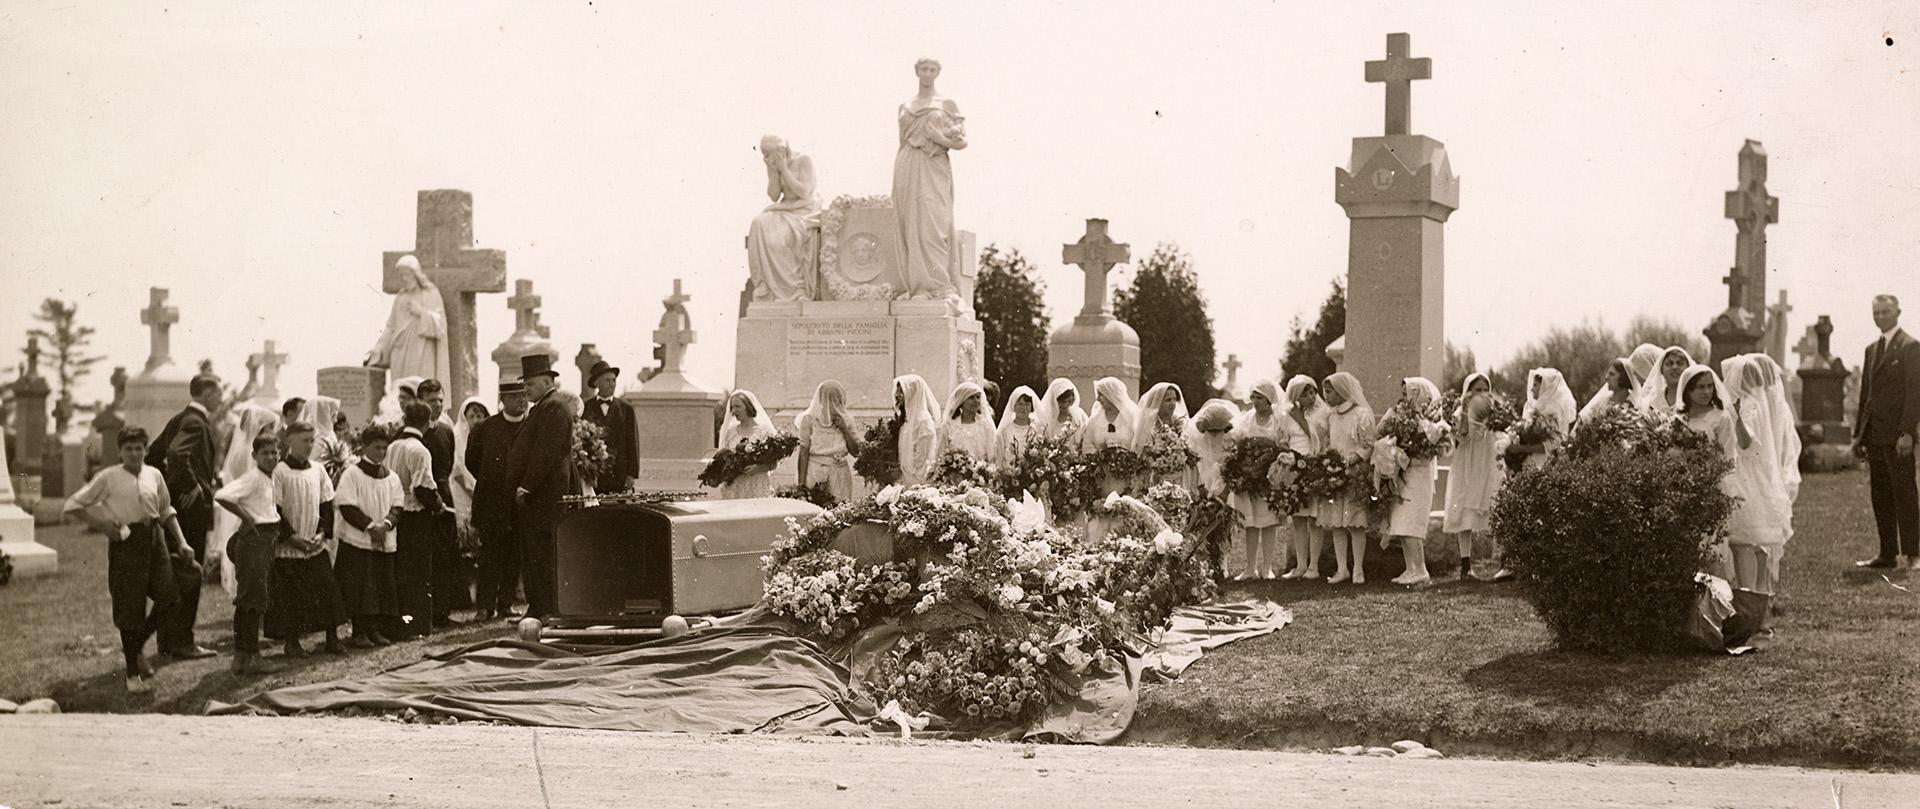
(700,545)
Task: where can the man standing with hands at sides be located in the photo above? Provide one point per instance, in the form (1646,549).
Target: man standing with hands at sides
(1884,431)
(449,586)
(613,415)
(539,472)
(183,452)
(493,509)
(418,528)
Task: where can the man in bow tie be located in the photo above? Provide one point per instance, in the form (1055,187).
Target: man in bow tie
(616,417)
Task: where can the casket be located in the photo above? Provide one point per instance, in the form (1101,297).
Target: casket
(634,564)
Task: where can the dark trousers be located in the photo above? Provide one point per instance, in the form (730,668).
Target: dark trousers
(534,525)
(176,627)
(418,534)
(1896,501)
(252,553)
(452,590)
(499,564)
(139,568)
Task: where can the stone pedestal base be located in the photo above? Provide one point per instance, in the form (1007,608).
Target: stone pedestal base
(784,350)
(676,435)
(154,397)
(30,558)
(1092,347)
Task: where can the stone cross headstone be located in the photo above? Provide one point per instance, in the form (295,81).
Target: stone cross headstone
(1777,329)
(1823,389)
(159,318)
(1398,189)
(269,362)
(1398,72)
(529,335)
(110,418)
(1809,349)
(443,243)
(675,332)
(526,309)
(1095,254)
(1742,327)
(1233,373)
(589,354)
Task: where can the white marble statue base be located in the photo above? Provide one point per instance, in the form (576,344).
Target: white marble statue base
(30,558)
(785,349)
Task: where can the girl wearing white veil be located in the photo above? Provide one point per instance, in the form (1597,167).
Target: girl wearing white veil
(1702,402)
(1261,419)
(330,449)
(1110,425)
(1642,361)
(1304,432)
(1016,424)
(968,425)
(919,424)
(1659,389)
(746,419)
(472,411)
(1475,473)
(1763,521)
(1061,420)
(1350,432)
(1552,403)
(1622,389)
(1210,434)
(1162,407)
(251,420)
(1411,515)
(827,441)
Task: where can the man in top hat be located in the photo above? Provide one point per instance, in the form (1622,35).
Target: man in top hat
(616,418)
(493,512)
(540,472)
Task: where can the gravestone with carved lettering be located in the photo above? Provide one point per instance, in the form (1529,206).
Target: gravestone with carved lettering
(160,389)
(674,411)
(1096,344)
(1742,327)
(358,388)
(1398,190)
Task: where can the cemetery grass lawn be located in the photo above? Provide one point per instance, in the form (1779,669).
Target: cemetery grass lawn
(57,640)
(1468,669)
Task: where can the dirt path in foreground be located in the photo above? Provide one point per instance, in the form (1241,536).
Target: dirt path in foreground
(115,761)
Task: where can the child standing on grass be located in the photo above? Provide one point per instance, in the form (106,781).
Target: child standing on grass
(1702,402)
(1475,473)
(305,597)
(129,504)
(1306,435)
(250,499)
(366,505)
(1350,428)
(1260,420)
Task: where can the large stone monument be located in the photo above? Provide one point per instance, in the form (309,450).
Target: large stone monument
(160,389)
(1096,344)
(1776,340)
(358,388)
(1740,329)
(30,558)
(1825,436)
(877,307)
(529,334)
(267,393)
(30,428)
(675,411)
(1398,191)
(443,246)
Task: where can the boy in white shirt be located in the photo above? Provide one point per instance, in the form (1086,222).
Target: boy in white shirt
(250,498)
(305,597)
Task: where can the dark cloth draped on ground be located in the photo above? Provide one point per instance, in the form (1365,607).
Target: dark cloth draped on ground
(751,675)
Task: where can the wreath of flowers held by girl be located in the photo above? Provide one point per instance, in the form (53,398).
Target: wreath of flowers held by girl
(1501,414)
(1247,467)
(1166,452)
(879,458)
(729,464)
(958,468)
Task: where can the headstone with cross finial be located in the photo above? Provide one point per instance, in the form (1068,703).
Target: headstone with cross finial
(160,389)
(159,318)
(1095,344)
(1398,190)
(22,486)
(1777,329)
(584,359)
(1743,326)
(267,393)
(1823,388)
(1233,374)
(529,336)
(676,410)
(443,244)
(111,416)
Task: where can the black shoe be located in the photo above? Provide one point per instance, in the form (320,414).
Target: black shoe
(1878,561)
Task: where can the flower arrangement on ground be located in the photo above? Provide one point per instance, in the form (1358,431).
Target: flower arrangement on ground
(817,494)
(1213,523)
(1053,471)
(590,456)
(758,452)
(879,458)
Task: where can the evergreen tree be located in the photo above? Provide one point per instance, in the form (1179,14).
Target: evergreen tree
(1307,348)
(1164,305)
(67,342)
(1013,319)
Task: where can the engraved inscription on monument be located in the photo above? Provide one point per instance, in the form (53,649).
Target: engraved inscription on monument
(856,351)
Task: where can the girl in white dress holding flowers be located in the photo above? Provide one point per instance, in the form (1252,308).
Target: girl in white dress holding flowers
(1304,433)
(969,425)
(827,441)
(919,414)
(1016,425)
(746,420)
(1262,525)
(1702,403)
(1549,404)
(1162,427)
(1110,424)
(1622,389)
(1350,426)
(1412,513)
(1660,389)
(1475,472)
(1763,521)
(1060,414)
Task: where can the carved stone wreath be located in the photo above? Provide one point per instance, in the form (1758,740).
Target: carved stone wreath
(838,287)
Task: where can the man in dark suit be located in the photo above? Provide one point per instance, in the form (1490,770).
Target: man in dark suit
(184,454)
(616,417)
(487,449)
(1884,431)
(539,472)
(451,590)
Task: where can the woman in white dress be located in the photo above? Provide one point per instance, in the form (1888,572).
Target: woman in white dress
(1060,415)
(827,441)
(1475,472)
(472,412)
(1305,433)
(968,425)
(1660,389)
(1413,513)
(1702,402)
(1622,389)
(1350,432)
(1162,407)
(746,420)
(1110,424)
(919,413)
(1016,425)
(1549,401)
(1763,522)
(1262,537)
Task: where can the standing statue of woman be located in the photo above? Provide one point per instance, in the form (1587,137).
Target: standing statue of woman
(780,243)
(414,342)
(930,126)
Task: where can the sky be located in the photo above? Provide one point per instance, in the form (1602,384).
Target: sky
(256,158)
